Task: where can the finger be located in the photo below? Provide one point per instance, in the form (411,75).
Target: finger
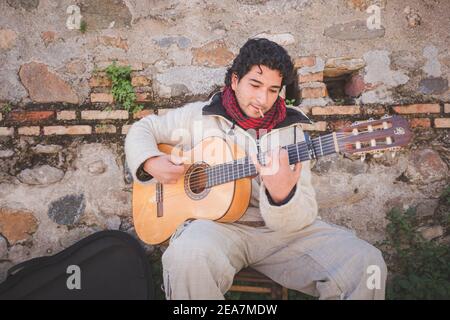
(268,160)
(276,154)
(255,162)
(297,169)
(176,160)
(284,156)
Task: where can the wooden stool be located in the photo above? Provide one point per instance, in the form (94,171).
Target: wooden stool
(256,282)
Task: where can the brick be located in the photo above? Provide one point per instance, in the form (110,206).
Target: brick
(143,97)
(418,108)
(99,81)
(143,113)
(48,37)
(335,110)
(311,77)
(23,116)
(66,115)
(420,123)
(304,62)
(4,131)
(311,93)
(125,128)
(316,126)
(117,42)
(446,108)
(442,122)
(29,131)
(140,81)
(376,111)
(102,97)
(103,115)
(105,128)
(339,124)
(69,130)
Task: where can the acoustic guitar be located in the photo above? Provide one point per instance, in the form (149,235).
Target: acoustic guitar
(216,184)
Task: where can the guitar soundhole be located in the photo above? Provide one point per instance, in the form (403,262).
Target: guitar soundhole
(196,181)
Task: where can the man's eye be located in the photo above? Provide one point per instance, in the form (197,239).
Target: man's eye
(254,86)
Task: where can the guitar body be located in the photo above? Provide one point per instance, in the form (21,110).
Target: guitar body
(158,209)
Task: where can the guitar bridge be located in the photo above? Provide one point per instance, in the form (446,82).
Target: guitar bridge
(159,199)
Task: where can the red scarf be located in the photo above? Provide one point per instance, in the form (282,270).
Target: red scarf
(271,118)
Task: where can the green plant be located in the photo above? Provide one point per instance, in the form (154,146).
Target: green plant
(420,269)
(339,101)
(121,87)
(83,26)
(289,102)
(6,108)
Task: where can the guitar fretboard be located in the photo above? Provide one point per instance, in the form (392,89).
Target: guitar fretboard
(244,167)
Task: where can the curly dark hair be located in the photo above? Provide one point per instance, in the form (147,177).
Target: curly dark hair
(261,51)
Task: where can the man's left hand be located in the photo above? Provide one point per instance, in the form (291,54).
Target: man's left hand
(277,175)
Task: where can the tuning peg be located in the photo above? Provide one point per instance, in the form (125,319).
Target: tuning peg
(393,154)
(363,157)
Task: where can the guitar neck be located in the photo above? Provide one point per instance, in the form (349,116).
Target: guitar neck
(244,167)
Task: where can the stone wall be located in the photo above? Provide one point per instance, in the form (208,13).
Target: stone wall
(62,166)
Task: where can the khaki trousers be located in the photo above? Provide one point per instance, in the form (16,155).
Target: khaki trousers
(322,260)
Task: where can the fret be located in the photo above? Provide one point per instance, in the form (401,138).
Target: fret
(213,182)
(320,143)
(224,173)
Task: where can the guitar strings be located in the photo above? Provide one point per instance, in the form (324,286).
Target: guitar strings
(196,181)
(326,141)
(240,167)
(199,179)
(292,151)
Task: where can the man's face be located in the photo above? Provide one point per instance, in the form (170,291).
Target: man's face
(257,90)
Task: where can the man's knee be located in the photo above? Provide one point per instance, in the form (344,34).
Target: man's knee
(375,261)
(371,284)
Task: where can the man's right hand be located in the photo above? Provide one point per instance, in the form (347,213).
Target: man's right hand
(167,169)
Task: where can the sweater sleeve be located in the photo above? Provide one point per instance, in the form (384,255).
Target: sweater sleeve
(143,137)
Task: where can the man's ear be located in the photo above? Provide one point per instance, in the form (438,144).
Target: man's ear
(234,81)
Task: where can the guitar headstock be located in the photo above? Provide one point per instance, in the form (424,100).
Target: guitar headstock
(389,133)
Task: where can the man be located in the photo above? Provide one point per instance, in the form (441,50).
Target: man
(280,234)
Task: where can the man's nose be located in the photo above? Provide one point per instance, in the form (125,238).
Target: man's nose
(262,98)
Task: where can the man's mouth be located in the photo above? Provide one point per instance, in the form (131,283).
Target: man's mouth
(255,108)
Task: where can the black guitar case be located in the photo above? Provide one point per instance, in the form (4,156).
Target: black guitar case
(105,265)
